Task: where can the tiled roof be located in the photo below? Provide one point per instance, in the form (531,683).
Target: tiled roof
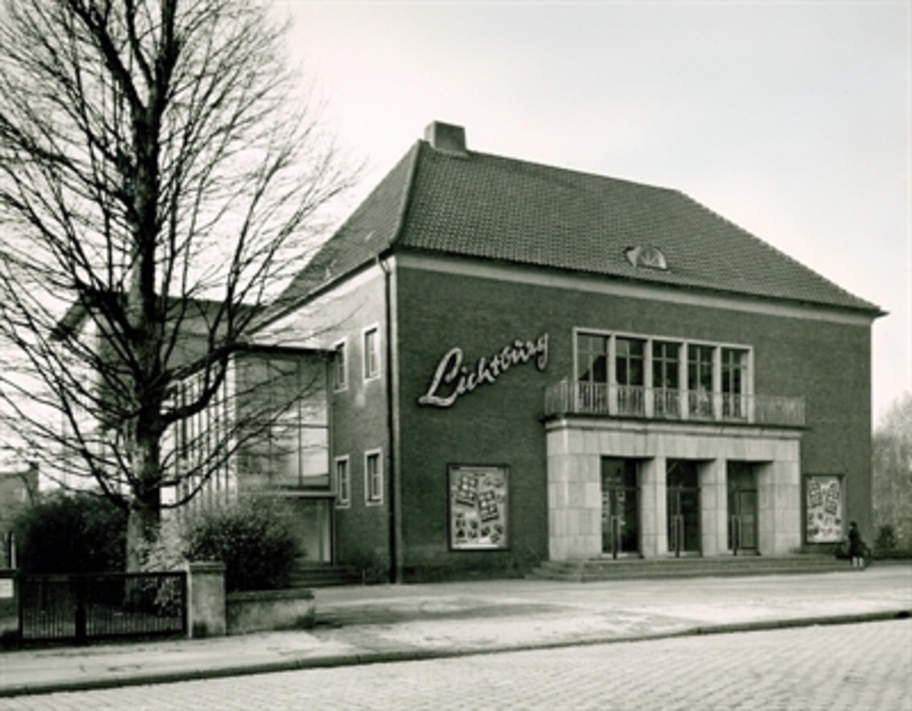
(369,231)
(486,206)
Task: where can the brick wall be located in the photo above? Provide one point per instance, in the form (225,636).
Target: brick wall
(827,363)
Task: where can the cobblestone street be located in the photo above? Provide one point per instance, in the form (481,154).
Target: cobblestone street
(861,666)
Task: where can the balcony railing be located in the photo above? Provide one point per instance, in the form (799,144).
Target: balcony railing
(599,399)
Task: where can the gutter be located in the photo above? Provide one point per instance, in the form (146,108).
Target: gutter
(392,431)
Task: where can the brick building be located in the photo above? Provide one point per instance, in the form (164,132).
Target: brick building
(527,363)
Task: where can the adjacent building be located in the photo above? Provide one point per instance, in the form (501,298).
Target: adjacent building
(18,491)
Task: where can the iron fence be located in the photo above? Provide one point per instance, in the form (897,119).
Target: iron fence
(85,607)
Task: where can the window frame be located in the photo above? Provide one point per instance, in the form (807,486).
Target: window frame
(340,384)
(629,361)
(369,498)
(698,382)
(370,357)
(663,361)
(343,494)
(730,368)
(592,356)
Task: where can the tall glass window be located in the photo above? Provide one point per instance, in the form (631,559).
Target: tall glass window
(630,374)
(666,361)
(665,364)
(628,361)
(592,372)
(592,358)
(734,379)
(284,419)
(700,380)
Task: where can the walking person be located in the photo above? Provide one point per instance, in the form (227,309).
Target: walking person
(856,547)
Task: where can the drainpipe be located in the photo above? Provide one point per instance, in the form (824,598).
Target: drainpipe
(392,449)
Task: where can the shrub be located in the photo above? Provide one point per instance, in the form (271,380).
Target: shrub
(66,532)
(886,545)
(255,538)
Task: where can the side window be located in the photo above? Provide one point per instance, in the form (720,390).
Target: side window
(373,478)
(340,366)
(343,483)
(371,353)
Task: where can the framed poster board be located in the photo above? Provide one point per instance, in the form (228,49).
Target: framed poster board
(824,509)
(479,507)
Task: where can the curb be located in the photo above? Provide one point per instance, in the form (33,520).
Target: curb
(411,655)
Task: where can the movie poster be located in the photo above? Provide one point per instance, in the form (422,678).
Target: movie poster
(824,509)
(478,508)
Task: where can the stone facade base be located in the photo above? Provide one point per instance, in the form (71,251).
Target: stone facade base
(576,447)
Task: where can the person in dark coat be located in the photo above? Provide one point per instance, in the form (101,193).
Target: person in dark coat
(856,547)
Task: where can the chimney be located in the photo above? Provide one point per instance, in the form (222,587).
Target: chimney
(446,137)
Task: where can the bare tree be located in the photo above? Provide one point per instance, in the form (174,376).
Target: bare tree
(892,465)
(158,179)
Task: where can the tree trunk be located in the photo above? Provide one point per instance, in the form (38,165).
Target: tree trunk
(144,519)
(143,523)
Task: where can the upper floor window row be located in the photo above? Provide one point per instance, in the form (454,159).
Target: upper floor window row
(655,363)
(632,365)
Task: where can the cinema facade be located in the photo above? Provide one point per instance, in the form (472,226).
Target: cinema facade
(521,363)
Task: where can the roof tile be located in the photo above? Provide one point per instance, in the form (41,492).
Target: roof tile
(491,207)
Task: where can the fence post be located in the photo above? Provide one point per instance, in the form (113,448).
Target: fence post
(206,616)
(9,608)
(80,582)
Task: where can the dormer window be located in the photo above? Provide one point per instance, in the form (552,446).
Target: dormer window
(646,257)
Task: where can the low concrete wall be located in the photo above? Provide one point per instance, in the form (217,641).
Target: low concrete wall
(270,610)
(205,599)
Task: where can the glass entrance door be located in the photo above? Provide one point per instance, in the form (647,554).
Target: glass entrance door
(743,519)
(620,507)
(313,517)
(742,508)
(683,493)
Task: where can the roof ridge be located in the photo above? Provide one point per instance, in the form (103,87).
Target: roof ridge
(564,169)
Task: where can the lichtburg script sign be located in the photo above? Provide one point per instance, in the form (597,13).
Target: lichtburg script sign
(452,379)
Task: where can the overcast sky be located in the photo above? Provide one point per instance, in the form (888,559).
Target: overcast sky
(791,119)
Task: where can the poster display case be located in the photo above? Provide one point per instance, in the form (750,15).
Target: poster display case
(478,510)
(824,509)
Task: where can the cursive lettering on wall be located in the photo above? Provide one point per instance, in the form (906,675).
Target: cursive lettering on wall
(453,377)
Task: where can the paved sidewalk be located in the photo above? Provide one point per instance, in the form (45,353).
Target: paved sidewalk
(357,625)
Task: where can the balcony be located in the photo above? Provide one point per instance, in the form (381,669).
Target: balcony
(624,401)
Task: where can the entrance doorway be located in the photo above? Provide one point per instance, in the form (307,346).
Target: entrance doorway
(742,508)
(313,517)
(683,493)
(620,507)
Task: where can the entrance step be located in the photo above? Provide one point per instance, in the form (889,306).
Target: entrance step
(639,568)
(320,575)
